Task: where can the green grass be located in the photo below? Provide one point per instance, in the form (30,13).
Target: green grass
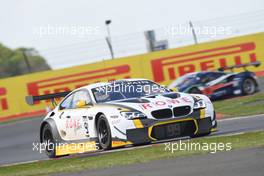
(122,158)
(241,106)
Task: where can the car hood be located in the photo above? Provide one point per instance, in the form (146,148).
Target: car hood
(155,102)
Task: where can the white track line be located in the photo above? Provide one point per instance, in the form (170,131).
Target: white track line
(24,162)
(242,117)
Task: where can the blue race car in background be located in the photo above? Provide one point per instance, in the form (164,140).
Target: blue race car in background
(219,84)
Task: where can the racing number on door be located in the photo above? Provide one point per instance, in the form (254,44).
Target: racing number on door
(86,126)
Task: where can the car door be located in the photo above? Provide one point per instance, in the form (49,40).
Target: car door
(65,120)
(226,86)
(222,85)
(73,120)
(80,114)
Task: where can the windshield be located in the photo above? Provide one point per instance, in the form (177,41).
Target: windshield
(126,89)
(186,79)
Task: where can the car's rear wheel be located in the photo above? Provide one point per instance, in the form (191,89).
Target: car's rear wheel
(48,140)
(104,133)
(195,90)
(248,86)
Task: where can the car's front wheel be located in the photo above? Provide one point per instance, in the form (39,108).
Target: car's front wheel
(48,141)
(104,133)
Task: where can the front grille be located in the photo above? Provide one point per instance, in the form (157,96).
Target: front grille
(181,111)
(162,114)
(173,130)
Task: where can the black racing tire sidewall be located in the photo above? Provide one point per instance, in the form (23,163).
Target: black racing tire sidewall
(253,84)
(108,145)
(52,153)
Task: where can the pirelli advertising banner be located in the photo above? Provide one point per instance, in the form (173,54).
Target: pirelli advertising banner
(163,67)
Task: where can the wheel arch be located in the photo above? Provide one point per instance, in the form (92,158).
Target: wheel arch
(41,129)
(54,130)
(194,87)
(189,88)
(252,78)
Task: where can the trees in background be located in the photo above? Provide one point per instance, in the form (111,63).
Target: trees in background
(20,61)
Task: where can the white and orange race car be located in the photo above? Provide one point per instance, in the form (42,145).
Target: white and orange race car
(119,113)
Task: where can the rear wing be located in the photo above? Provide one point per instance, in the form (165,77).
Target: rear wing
(32,99)
(256,64)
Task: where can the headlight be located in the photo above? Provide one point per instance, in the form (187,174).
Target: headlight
(199,104)
(133,115)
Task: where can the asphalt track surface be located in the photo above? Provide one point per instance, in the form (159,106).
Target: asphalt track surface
(246,162)
(16,139)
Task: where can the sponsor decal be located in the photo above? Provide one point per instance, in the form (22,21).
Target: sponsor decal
(117,121)
(167,103)
(86,126)
(73,81)
(3,99)
(120,143)
(212,89)
(206,59)
(72,123)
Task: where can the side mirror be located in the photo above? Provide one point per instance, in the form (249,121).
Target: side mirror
(80,104)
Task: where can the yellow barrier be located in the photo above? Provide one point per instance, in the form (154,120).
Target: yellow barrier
(162,67)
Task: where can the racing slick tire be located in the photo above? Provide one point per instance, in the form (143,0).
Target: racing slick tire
(195,90)
(248,86)
(104,133)
(48,140)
